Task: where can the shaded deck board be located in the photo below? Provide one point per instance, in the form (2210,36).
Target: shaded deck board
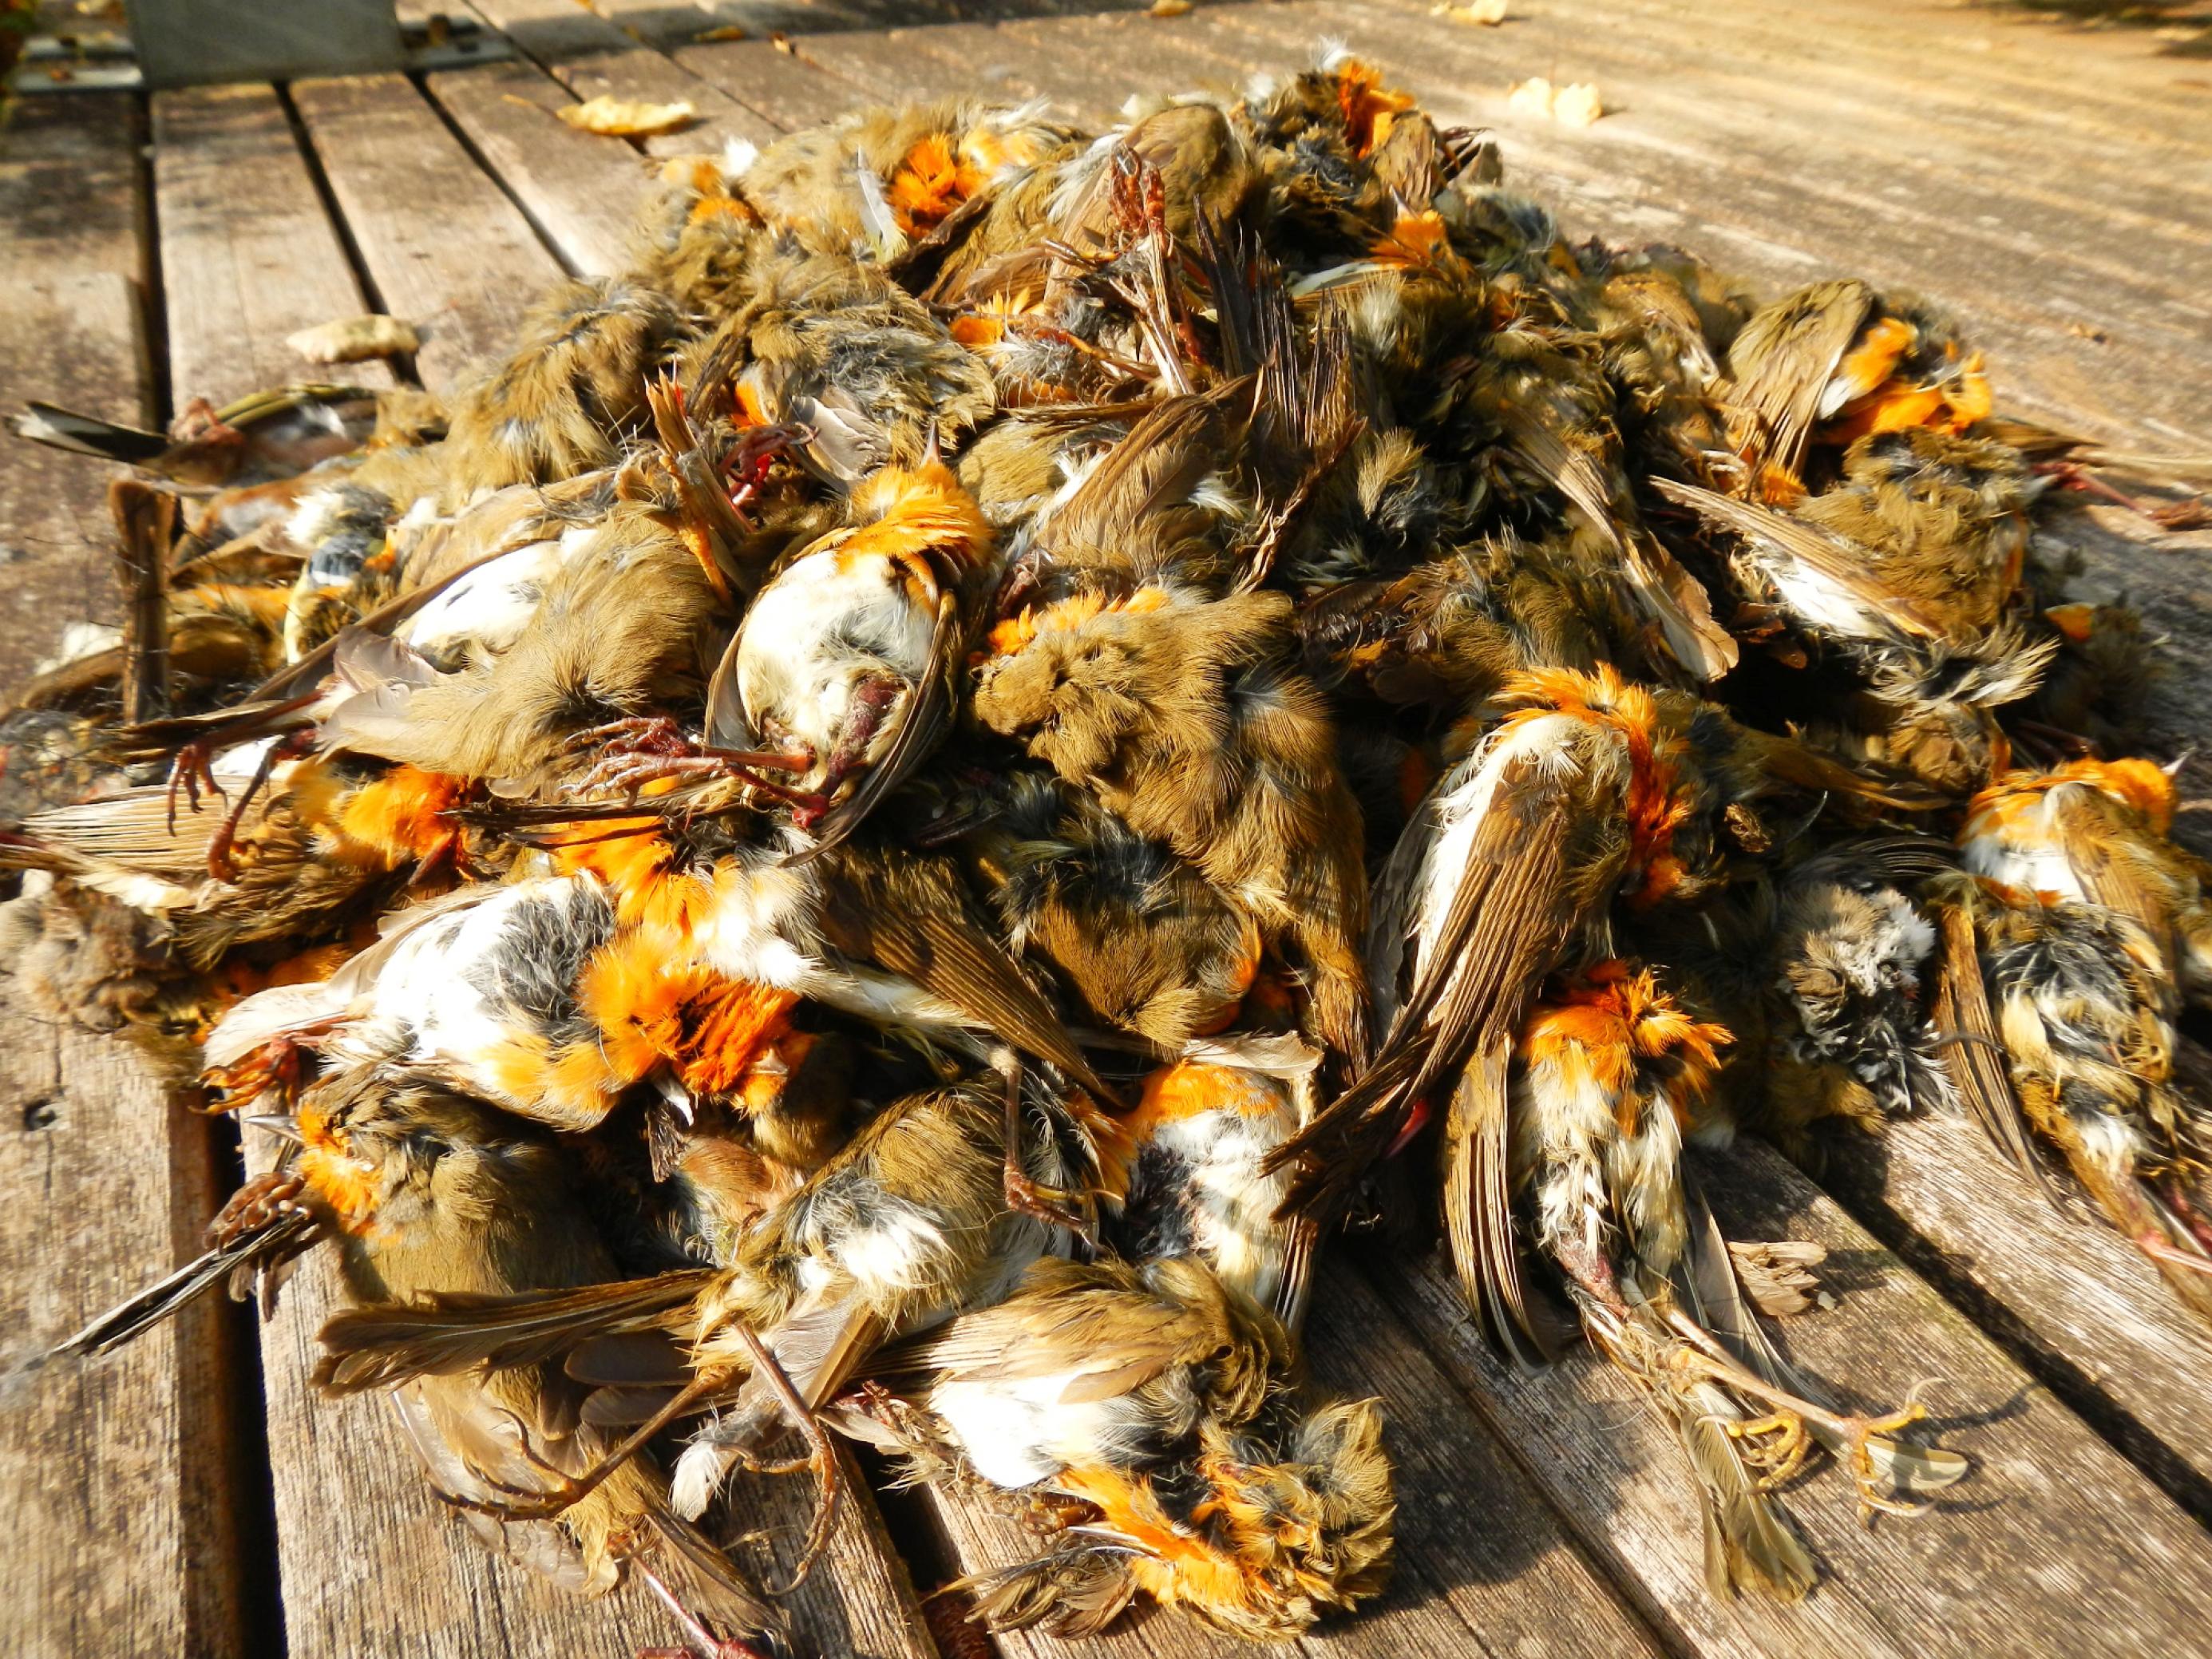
(122,1530)
(248,252)
(2049,1510)
(71,332)
(443,246)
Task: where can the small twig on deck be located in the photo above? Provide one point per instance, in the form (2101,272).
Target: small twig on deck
(146,529)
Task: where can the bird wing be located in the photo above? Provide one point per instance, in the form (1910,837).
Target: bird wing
(1974,1051)
(1157,464)
(1504,919)
(908,914)
(1791,363)
(380,1344)
(1667,595)
(1826,580)
(1478,1208)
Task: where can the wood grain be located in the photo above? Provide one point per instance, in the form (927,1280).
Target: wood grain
(580,189)
(593,57)
(248,254)
(116,1473)
(2050,1517)
(779,86)
(2066,1295)
(71,332)
(444,246)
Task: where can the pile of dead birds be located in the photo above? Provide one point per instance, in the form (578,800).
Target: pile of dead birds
(885,830)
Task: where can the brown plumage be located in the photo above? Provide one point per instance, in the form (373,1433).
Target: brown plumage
(1189,722)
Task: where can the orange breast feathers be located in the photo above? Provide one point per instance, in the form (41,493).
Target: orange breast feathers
(396,819)
(1884,399)
(1368,107)
(1612,1022)
(347,1184)
(2012,805)
(708,1029)
(906,511)
(1656,805)
(932,180)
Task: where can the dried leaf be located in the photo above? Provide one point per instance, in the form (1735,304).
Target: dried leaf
(1577,105)
(726,31)
(1531,97)
(1167,7)
(352,339)
(1488,13)
(1574,106)
(615,117)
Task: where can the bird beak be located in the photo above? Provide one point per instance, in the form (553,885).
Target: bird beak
(2173,768)
(283,1126)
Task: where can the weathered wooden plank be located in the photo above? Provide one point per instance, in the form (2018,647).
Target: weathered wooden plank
(775,84)
(2050,1517)
(1631,180)
(122,1536)
(578,188)
(593,57)
(443,244)
(1485,1565)
(2069,1298)
(70,332)
(248,252)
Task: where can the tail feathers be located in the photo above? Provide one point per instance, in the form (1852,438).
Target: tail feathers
(284,1236)
(88,434)
(1750,1543)
(384,1344)
(703,1579)
(2150,1223)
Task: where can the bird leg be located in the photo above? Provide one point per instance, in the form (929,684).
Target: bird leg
(645,749)
(275,1064)
(189,771)
(822,1455)
(566,1490)
(873,699)
(2189,515)
(1699,1358)
(2177,1200)
(700,1642)
(219,864)
(1025,1196)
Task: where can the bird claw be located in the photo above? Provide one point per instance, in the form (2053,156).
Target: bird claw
(648,748)
(1859,1434)
(192,770)
(1051,1205)
(1780,1445)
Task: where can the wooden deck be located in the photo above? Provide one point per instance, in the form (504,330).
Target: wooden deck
(2053,182)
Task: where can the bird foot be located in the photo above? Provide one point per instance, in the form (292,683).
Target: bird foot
(648,748)
(1778,1443)
(190,772)
(1054,1206)
(1860,1436)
